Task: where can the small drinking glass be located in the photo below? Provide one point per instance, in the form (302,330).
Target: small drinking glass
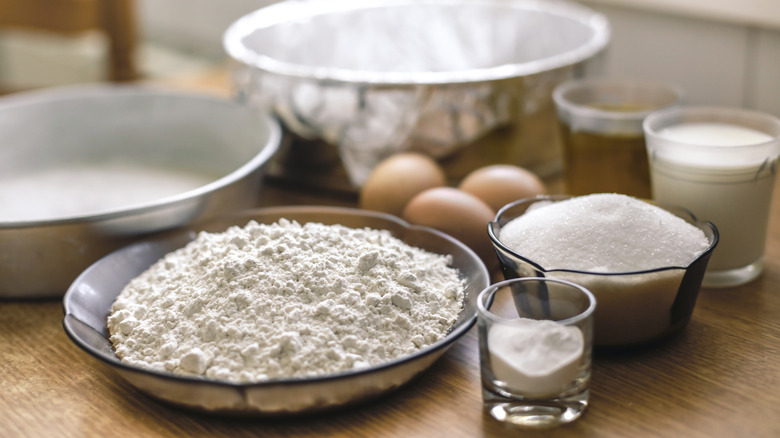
(721,164)
(600,120)
(535,347)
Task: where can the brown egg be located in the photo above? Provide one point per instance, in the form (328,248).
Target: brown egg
(501,184)
(457,213)
(397,179)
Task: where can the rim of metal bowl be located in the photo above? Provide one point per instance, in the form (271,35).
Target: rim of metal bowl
(102,91)
(303,9)
(555,198)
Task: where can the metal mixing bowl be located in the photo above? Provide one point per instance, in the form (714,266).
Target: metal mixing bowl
(375,77)
(225,143)
(88,303)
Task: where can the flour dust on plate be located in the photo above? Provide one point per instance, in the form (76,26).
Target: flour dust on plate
(90,298)
(285,300)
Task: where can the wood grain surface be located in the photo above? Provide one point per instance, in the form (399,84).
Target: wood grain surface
(718,378)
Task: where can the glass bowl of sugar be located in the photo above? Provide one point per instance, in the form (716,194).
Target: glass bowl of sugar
(644,262)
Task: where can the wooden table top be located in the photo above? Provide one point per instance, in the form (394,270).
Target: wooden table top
(720,377)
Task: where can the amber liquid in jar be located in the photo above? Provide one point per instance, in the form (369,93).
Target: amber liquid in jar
(606,162)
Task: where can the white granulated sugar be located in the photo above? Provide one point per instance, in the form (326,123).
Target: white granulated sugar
(285,300)
(603,233)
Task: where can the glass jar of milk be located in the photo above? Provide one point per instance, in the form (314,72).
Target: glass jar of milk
(720,163)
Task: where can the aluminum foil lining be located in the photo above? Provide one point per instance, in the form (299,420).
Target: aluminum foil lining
(379,77)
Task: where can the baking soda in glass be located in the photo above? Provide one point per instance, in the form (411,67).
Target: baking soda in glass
(719,163)
(535,347)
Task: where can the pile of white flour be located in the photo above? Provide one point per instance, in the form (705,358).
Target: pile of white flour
(285,300)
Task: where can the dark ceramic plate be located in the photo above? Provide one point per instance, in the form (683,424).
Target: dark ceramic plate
(88,301)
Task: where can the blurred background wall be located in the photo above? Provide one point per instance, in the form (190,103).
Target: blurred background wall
(720,51)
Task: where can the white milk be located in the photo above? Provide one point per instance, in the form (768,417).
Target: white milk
(732,191)
(714,134)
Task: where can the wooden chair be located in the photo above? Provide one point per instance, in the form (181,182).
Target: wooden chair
(115,18)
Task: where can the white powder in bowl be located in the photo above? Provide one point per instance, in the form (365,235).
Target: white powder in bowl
(612,233)
(285,300)
(83,189)
(603,233)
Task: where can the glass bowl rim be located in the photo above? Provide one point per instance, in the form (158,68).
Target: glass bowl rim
(491,290)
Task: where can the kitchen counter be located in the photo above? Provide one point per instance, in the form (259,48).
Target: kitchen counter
(720,377)
(717,378)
